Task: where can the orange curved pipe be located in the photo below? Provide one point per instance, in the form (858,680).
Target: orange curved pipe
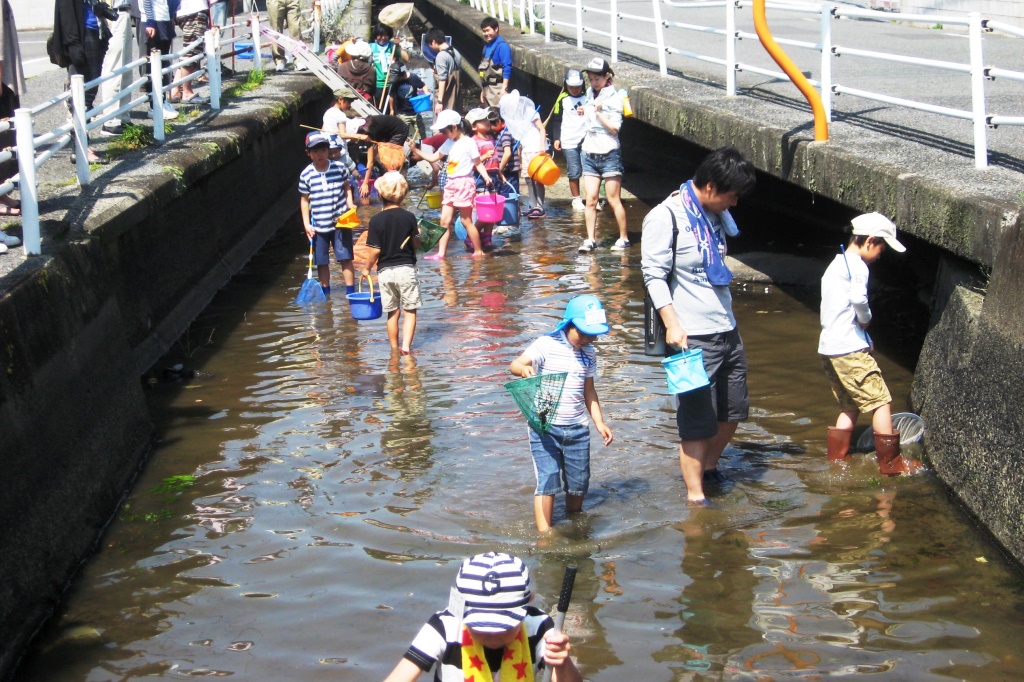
(795,75)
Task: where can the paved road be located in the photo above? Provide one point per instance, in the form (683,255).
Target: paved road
(944,88)
(33,52)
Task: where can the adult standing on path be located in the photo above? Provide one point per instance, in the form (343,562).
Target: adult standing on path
(496,65)
(602,152)
(120,50)
(12,77)
(80,41)
(158,18)
(447,68)
(689,287)
(281,13)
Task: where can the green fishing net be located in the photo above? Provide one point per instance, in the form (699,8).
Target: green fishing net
(430,235)
(538,397)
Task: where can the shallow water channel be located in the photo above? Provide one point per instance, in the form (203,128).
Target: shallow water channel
(336,488)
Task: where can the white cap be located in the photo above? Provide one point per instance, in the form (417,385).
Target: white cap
(358,49)
(877,225)
(445,119)
(478,114)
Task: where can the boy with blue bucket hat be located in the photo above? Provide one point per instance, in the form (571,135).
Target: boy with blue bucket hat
(561,455)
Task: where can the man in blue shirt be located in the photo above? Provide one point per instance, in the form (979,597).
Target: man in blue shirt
(496,66)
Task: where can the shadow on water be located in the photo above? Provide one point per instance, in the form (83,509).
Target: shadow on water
(311,495)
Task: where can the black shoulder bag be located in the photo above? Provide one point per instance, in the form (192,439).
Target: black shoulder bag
(654,328)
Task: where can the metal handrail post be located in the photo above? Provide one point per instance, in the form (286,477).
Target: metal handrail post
(212,39)
(659,27)
(730,49)
(977,90)
(522,16)
(614,30)
(316,26)
(257,49)
(826,59)
(547,21)
(81,134)
(579,24)
(25,140)
(156,84)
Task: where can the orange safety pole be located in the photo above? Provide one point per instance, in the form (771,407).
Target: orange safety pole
(795,75)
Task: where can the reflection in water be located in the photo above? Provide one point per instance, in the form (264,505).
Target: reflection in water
(330,487)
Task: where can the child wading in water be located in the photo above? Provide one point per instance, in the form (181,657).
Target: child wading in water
(392,242)
(845,346)
(483,137)
(562,455)
(489,629)
(325,192)
(460,190)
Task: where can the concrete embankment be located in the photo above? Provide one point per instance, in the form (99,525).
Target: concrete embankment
(968,382)
(127,265)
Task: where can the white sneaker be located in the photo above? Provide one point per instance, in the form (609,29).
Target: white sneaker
(578,204)
(620,244)
(3,249)
(278,65)
(169,111)
(587,246)
(8,240)
(600,205)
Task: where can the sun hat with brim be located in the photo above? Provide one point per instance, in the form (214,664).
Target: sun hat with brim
(359,50)
(574,78)
(877,225)
(496,588)
(446,119)
(599,66)
(344,93)
(478,114)
(315,139)
(335,142)
(392,186)
(586,314)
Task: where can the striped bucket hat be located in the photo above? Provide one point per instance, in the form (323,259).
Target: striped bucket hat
(497,589)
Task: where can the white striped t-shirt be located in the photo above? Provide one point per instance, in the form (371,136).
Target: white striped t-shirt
(552,354)
(438,642)
(327,194)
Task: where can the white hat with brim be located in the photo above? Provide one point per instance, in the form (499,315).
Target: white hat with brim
(877,225)
(446,119)
(478,114)
(496,588)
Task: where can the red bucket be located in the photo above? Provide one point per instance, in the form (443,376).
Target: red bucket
(490,207)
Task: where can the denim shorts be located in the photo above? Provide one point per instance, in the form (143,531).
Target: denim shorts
(322,242)
(725,398)
(603,165)
(573,163)
(561,459)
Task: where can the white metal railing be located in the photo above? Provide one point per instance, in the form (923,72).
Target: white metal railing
(34,150)
(606,22)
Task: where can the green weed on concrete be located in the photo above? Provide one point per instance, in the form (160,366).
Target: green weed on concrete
(252,81)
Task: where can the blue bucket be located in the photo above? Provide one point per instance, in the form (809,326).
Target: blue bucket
(685,371)
(421,103)
(365,306)
(510,216)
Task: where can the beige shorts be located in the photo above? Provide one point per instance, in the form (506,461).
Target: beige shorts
(399,288)
(856,381)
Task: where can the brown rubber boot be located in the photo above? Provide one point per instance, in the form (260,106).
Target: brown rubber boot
(839,444)
(890,461)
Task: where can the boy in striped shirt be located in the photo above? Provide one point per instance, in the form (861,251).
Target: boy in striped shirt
(561,456)
(325,191)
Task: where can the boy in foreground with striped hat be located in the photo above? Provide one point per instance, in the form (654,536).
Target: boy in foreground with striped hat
(489,629)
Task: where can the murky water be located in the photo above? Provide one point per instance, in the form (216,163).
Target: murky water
(336,487)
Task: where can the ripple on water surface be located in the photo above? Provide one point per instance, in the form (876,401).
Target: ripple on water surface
(326,491)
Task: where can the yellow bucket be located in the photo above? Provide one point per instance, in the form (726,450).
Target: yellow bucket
(543,170)
(348,220)
(433,198)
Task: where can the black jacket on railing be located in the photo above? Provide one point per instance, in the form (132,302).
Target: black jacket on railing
(68,31)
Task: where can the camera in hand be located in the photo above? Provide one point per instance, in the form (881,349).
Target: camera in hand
(102,9)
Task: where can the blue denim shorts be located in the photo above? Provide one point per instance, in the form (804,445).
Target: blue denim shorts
(603,165)
(341,240)
(573,163)
(561,459)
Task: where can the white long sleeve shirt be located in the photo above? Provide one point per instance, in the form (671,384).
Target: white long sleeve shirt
(844,304)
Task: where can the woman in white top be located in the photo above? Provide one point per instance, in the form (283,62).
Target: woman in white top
(602,157)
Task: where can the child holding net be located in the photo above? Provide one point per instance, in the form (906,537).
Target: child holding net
(560,443)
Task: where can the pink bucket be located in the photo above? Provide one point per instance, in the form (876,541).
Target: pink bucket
(490,207)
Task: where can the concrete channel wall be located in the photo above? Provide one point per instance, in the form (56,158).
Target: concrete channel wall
(148,252)
(968,384)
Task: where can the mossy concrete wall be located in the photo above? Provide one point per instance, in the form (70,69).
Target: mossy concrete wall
(968,385)
(150,245)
